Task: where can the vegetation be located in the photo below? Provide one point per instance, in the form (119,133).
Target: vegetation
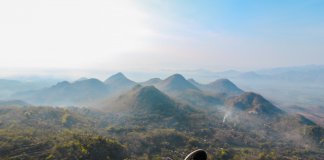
(78,133)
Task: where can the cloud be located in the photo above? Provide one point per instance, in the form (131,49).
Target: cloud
(69,33)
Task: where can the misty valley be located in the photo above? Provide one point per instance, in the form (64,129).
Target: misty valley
(159,119)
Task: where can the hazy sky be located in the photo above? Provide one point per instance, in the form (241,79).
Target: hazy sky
(154,35)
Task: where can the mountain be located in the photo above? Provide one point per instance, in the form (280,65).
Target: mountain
(252,76)
(82,79)
(315,113)
(194,82)
(303,120)
(4,83)
(297,127)
(9,87)
(12,103)
(200,98)
(228,73)
(147,99)
(66,93)
(301,74)
(175,84)
(254,104)
(301,69)
(149,106)
(151,82)
(119,82)
(223,86)
(184,91)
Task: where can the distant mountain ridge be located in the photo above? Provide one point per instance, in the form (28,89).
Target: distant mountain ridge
(184,91)
(176,83)
(152,81)
(9,87)
(13,103)
(223,86)
(194,82)
(218,86)
(66,93)
(119,81)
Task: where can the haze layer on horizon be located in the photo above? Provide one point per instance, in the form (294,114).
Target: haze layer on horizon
(159,35)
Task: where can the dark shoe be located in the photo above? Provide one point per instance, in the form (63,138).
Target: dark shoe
(197,155)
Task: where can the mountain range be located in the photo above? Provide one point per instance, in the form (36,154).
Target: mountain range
(66,93)
(157,116)
(174,95)
(118,93)
(84,91)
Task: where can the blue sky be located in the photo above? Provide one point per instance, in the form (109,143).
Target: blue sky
(275,33)
(248,17)
(153,36)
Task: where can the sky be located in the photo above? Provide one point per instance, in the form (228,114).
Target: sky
(83,36)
